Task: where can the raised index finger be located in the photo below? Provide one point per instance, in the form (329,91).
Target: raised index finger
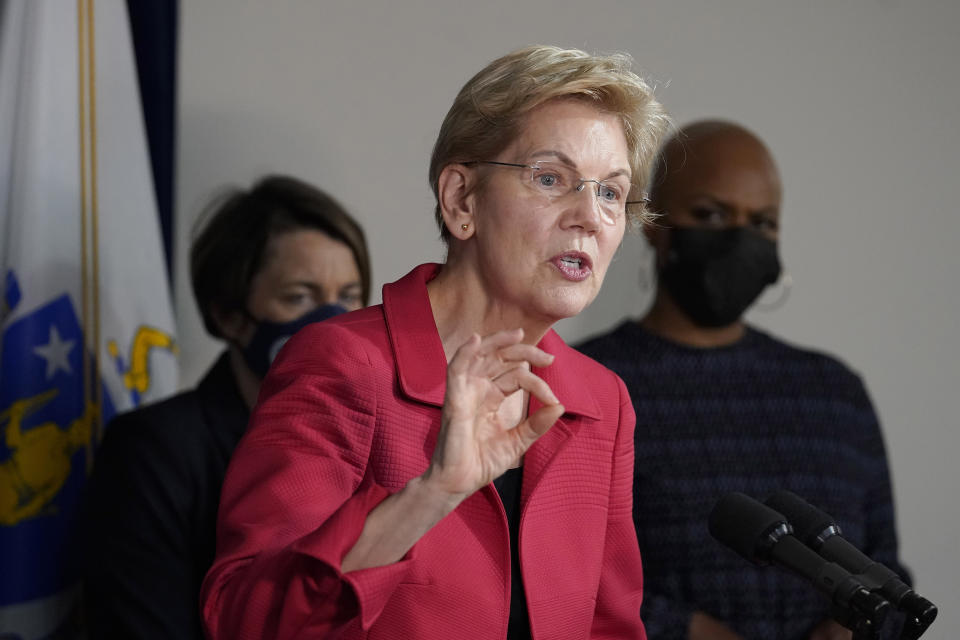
(533,354)
(496,341)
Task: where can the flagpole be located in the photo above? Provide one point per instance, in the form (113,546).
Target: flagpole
(95,220)
(84,213)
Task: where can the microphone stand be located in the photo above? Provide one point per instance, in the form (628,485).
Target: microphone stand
(821,533)
(866,622)
(862,627)
(861,615)
(920,615)
(920,612)
(914,627)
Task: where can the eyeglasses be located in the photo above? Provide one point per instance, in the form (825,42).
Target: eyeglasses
(556,181)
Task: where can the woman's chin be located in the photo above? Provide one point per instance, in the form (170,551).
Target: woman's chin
(566,304)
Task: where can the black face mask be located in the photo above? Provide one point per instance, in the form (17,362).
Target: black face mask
(269,337)
(715,274)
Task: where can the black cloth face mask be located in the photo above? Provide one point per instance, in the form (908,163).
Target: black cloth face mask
(714,275)
(270,337)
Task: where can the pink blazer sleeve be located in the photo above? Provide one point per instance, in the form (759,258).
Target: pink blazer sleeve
(295,499)
(619,595)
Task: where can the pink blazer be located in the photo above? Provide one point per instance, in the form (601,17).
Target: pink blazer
(348,414)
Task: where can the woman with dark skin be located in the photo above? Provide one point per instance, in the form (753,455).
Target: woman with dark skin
(722,406)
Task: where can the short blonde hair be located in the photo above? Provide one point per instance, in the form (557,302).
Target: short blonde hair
(489,111)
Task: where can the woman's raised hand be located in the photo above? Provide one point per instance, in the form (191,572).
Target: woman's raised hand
(475,445)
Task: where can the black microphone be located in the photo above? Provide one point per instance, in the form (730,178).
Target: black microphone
(819,531)
(763,536)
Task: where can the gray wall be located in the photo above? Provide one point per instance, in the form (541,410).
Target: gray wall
(856,98)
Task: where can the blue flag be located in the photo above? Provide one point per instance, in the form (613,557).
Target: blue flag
(86,326)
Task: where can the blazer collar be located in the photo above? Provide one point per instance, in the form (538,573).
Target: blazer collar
(422,365)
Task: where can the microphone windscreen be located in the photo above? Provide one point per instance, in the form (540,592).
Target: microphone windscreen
(744,524)
(808,522)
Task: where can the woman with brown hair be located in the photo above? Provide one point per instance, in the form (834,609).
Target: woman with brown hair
(267,262)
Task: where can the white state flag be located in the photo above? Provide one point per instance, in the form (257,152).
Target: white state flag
(85,316)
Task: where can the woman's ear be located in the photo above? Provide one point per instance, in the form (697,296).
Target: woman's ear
(457,199)
(234,325)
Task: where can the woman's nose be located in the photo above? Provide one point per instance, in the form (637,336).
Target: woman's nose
(583,207)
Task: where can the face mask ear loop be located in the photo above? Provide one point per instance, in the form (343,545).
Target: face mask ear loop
(785,284)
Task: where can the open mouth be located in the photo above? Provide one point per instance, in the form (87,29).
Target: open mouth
(573,265)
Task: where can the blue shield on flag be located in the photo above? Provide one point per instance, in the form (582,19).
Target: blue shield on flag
(48,428)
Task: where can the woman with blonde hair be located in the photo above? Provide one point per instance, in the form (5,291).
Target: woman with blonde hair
(443,465)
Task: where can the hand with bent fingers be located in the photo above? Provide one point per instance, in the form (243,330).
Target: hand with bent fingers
(475,446)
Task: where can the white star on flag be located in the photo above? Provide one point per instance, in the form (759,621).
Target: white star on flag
(56,353)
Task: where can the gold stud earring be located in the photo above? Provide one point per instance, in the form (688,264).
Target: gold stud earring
(465,226)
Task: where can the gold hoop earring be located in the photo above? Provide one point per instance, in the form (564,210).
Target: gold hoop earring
(785,283)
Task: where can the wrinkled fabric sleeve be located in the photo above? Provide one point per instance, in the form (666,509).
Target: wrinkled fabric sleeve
(295,500)
(620,593)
